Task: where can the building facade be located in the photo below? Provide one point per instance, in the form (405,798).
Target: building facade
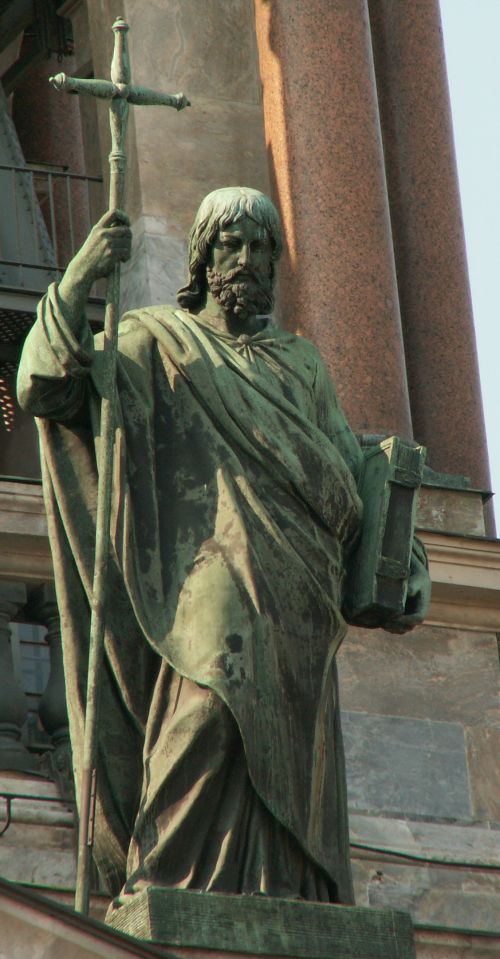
(340,111)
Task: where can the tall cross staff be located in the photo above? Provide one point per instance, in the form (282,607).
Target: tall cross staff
(120,92)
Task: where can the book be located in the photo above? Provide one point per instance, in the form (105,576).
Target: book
(379,567)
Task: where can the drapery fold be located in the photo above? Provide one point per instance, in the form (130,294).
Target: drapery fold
(234,503)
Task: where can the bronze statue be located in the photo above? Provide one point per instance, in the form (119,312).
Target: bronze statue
(235,509)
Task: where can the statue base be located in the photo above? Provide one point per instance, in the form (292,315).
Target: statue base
(263,926)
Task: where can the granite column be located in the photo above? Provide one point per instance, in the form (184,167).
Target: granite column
(428,236)
(326,160)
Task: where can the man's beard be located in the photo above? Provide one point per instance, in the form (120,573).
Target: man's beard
(249,296)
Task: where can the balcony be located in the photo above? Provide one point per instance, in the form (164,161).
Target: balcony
(46,215)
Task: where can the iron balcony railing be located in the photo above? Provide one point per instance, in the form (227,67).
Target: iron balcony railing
(46,215)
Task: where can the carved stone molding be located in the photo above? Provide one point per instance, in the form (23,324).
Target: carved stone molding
(13,703)
(24,546)
(465,573)
(465,570)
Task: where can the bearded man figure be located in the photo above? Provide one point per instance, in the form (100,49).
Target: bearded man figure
(235,507)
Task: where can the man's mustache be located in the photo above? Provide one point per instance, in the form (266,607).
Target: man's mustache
(240,272)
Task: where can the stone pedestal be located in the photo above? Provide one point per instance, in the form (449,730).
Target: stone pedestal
(264,926)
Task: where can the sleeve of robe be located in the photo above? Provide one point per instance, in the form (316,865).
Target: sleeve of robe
(331,420)
(55,365)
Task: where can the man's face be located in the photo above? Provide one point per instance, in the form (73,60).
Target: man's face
(239,272)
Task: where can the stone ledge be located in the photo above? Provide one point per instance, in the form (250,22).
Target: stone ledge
(41,928)
(425,840)
(449,896)
(24,546)
(36,926)
(455,891)
(451,510)
(465,570)
(46,810)
(450,944)
(38,845)
(465,574)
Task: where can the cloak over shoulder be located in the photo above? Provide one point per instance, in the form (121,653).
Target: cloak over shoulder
(234,501)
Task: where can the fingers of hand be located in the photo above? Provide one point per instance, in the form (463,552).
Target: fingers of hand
(117,241)
(403,624)
(112,217)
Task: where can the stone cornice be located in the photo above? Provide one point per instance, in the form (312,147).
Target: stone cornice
(465,570)
(465,573)
(24,546)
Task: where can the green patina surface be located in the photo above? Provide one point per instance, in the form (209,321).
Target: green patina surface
(235,511)
(270,927)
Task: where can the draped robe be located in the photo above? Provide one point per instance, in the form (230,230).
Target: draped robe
(234,505)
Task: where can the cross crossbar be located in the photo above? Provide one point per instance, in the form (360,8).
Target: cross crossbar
(106,90)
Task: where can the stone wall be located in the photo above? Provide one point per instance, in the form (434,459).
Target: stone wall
(420,715)
(422,738)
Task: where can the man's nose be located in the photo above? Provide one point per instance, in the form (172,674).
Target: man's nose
(244,255)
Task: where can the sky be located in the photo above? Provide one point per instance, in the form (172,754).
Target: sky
(471,31)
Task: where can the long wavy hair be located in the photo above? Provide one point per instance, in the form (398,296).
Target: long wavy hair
(218,210)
